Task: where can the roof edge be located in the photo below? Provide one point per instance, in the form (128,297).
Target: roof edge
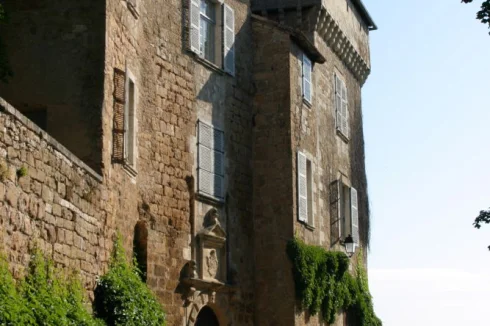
(365,14)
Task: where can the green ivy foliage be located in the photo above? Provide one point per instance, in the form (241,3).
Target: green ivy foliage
(45,297)
(122,298)
(323,284)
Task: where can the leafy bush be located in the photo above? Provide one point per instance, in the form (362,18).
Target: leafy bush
(45,297)
(323,283)
(13,310)
(121,298)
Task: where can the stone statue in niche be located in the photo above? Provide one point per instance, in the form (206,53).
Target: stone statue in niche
(212,264)
(211,248)
(211,218)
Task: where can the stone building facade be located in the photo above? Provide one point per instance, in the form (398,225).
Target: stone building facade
(208,133)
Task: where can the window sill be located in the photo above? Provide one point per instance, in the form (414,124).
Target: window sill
(210,199)
(307,103)
(208,64)
(132,9)
(342,136)
(130,170)
(308,226)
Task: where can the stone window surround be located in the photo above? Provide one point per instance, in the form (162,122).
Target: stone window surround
(130,143)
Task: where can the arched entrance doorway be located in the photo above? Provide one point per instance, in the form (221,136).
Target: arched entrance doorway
(206,317)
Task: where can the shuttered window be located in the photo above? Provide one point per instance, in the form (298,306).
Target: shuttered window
(302,188)
(124,120)
(212,33)
(344,211)
(118,123)
(341,108)
(307,89)
(354,215)
(229,39)
(305,189)
(210,161)
(194,30)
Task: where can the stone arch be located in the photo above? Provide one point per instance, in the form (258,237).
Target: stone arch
(206,317)
(205,301)
(140,248)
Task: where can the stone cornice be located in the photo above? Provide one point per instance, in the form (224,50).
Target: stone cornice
(328,29)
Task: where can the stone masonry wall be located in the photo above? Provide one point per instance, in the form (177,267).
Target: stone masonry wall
(333,157)
(174,91)
(57,206)
(56,51)
(273,176)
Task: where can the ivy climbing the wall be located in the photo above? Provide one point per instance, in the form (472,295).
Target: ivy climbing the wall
(324,285)
(47,296)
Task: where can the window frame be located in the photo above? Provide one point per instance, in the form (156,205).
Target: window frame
(211,22)
(345,211)
(306,59)
(309,219)
(221,151)
(223,44)
(340,101)
(130,123)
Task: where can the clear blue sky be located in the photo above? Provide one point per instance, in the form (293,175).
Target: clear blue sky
(426,124)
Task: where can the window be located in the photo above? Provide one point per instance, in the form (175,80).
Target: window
(207,30)
(348,213)
(341,108)
(212,33)
(129,122)
(124,120)
(307,72)
(210,161)
(305,190)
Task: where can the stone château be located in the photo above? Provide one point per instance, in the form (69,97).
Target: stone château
(207,132)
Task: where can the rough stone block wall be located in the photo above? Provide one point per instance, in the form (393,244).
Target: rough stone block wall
(273,176)
(56,51)
(174,91)
(57,205)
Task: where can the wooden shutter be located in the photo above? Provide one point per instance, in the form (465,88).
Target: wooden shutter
(335,210)
(345,113)
(118,123)
(210,161)
(306,78)
(354,214)
(194,28)
(338,102)
(302,188)
(229,39)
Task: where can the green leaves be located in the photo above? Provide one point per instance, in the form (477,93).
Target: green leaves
(48,297)
(484,13)
(324,284)
(45,297)
(121,298)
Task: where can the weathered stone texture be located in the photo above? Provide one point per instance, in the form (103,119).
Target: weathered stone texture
(72,212)
(36,210)
(56,52)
